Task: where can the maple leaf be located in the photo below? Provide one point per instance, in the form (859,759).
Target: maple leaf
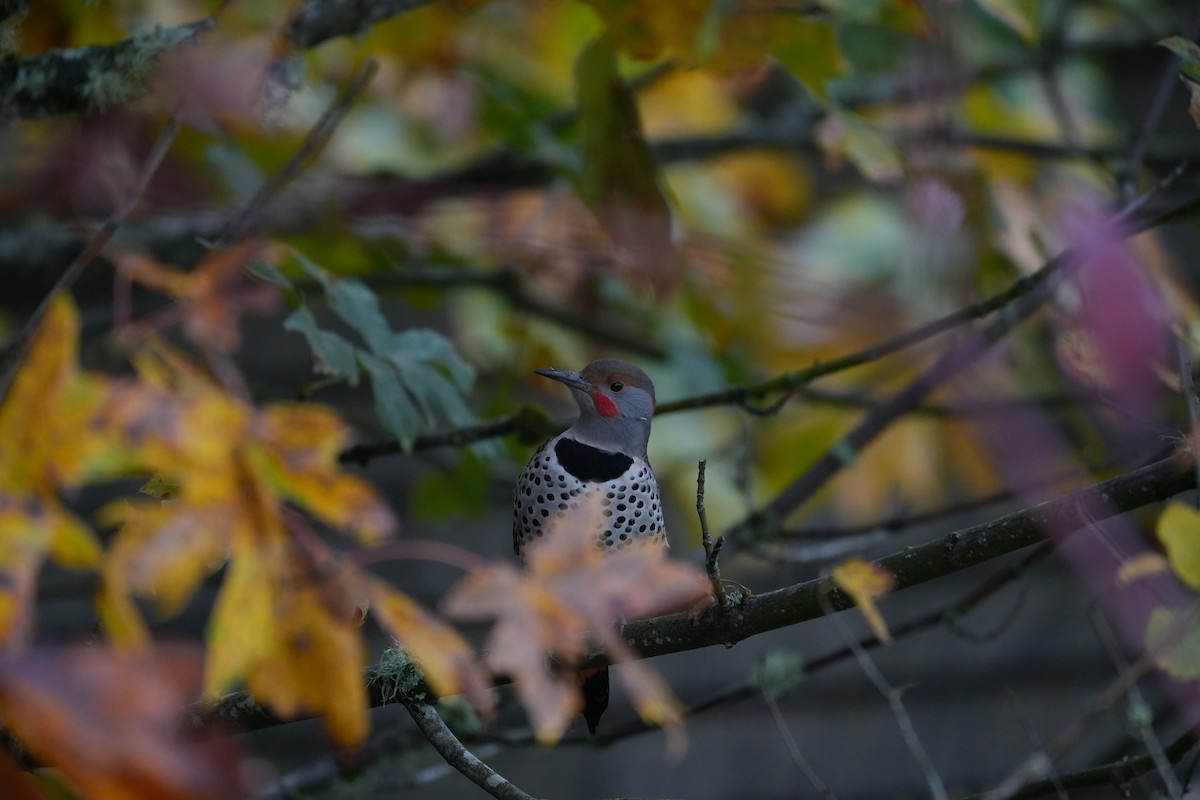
(110,722)
(213,296)
(290,634)
(571,593)
(865,583)
(47,443)
(285,620)
(448,662)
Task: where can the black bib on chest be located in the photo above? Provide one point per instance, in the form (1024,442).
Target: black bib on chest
(588,463)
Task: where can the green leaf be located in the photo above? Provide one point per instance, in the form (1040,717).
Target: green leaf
(1189,55)
(1179,531)
(1182,658)
(270,274)
(780,672)
(868,149)
(461,491)
(620,181)
(1019,15)
(809,50)
(393,405)
(357,306)
(418,379)
(337,354)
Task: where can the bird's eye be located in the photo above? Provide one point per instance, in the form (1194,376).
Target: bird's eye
(616,386)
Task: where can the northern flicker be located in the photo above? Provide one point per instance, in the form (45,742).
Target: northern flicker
(600,460)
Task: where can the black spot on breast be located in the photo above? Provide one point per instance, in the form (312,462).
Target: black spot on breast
(589,463)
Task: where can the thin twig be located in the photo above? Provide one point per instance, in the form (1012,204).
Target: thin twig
(1187,385)
(96,243)
(1034,766)
(711,550)
(1138,711)
(1113,773)
(1035,740)
(1158,104)
(937,788)
(1024,302)
(458,756)
(244,220)
(507,282)
(794,749)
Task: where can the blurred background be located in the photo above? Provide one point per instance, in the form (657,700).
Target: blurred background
(725,193)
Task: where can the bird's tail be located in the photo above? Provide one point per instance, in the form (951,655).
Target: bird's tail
(594,684)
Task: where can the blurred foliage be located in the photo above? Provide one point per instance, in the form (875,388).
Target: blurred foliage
(725,191)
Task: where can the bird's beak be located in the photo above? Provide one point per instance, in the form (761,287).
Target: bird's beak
(572,379)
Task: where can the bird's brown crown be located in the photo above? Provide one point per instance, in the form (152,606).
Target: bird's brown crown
(607,372)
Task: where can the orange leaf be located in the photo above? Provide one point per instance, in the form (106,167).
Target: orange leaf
(110,722)
(448,662)
(300,444)
(213,296)
(573,589)
(866,583)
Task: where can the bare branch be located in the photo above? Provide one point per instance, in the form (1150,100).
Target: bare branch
(801,602)
(794,749)
(458,756)
(908,732)
(314,142)
(711,551)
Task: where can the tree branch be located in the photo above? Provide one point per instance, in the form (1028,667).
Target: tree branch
(87,79)
(801,602)
(458,756)
(911,566)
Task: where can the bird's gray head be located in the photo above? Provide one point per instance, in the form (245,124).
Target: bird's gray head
(616,402)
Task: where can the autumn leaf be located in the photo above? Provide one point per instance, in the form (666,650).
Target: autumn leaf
(843,135)
(1141,566)
(290,635)
(1179,531)
(296,447)
(448,662)
(48,443)
(571,593)
(110,721)
(212,297)
(620,181)
(1179,654)
(285,623)
(865,583)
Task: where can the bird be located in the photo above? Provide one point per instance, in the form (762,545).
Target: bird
(600,459)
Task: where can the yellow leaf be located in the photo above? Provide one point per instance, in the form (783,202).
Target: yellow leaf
(1139,567)
(72,543)
(165,549)
(447,661)
(296,447)
(1180,657)
(1179,531)
(290,636)
(865,583)
(241,624)
(119,616)
(37,389)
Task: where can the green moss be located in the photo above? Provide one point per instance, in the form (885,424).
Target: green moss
(397,676)
(88,79)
